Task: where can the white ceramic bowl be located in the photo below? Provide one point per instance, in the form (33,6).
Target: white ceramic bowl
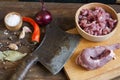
(88,36)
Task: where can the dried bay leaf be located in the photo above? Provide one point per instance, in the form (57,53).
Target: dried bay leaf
(13,55)
(2,56)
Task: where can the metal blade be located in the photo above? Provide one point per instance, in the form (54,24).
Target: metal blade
(56,48)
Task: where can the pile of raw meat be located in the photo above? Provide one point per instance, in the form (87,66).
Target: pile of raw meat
(96,22)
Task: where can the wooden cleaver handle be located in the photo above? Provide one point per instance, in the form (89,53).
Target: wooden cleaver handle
(24,67)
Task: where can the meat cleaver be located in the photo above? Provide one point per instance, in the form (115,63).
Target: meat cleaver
(55,49)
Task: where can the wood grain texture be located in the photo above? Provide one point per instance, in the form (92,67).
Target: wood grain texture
(107,72)
(9,0)
(64,13)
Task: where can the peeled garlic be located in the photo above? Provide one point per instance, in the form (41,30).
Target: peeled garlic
(22,34)
(13,46)
(24,30)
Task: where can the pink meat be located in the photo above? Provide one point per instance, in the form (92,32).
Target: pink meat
(96,22)
(96,57)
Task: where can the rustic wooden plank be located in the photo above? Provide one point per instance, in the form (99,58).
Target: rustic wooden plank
(64,13)
(107,72)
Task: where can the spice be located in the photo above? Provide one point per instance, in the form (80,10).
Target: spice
(1,45)
(36,32)
(10,38)
(13,46)
(1,56)
(13,55)
(10,55)
(13,21)
(24,30)
(6,32)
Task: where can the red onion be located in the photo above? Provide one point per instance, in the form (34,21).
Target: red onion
(43,17)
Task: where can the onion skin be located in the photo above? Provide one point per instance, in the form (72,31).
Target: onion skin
(43,17)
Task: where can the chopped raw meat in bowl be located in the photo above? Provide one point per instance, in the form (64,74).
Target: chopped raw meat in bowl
(96,21)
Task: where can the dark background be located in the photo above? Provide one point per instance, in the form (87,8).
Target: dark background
(75,1)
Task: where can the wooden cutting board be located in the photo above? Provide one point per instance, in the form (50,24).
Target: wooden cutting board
(107,72)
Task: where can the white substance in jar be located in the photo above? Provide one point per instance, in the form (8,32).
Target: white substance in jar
(13,20)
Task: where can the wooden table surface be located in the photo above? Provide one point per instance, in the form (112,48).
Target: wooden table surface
(63,12)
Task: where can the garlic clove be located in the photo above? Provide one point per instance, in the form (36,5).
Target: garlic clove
(22,34)
(24,30)
(27,29)
(13,46)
